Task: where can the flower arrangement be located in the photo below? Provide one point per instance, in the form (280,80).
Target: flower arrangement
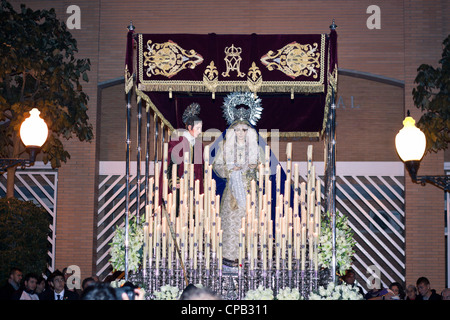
(336,292)
(135,244)
(288,294)
(344,243)
(260,293)
(167,293)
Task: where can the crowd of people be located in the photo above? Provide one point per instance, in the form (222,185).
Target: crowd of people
(422,290)
(35,287)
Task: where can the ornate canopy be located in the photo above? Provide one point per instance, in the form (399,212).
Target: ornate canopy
(292,74)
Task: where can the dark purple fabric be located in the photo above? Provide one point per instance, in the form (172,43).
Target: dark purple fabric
(211,47)
(303,114)
(129,52)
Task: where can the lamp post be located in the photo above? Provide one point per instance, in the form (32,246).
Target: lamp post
(33,132)
(410,143)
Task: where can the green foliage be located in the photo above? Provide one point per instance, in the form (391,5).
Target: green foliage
(38,68)
(432,96)
(135,246)
(24,228)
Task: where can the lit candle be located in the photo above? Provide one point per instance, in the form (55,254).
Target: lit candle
(269,199)
(156,185)
(303,247)
(191,240)
(207,251)
(220,250)
(287,189)
(195,247)
(206,156)
(165,178)
(264,249)
(186,171)
(309,154)
(145,247)
(304,214)
(289,248)
(260,186)
(150,195)
(150,246)
(316,260)
(278,186)
(174,178)
(270,242)
(277,248)
(158,247)
(241,246)
(164,237)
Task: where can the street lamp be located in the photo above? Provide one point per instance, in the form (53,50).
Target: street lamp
(410,143)
(33,132)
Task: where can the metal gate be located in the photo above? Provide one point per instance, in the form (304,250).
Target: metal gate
(38,184)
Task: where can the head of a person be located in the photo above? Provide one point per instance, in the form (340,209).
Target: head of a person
(423,286)
(194,126)
(350,277)
(397,289)
(240,130)
(445,294)
(411,292)
(87,282)
(16,275)
(191,292)
(99,291)
(58,281)
(30,282)
(40,286)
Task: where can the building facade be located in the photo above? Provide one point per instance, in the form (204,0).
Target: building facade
(380,46)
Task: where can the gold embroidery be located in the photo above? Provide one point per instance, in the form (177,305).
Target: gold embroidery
(233,61)
(211,77)
(289,86)
(168,58)
(254,78)
(294,60)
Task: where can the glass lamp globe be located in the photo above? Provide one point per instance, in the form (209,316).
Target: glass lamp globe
(34,130)
(410,141)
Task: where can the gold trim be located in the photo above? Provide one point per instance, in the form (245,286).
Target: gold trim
(229,86)
(268,134)
(128,80)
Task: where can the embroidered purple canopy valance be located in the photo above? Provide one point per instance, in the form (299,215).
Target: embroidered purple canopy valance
(292,74)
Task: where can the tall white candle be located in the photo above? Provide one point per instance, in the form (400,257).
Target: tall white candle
(156,201)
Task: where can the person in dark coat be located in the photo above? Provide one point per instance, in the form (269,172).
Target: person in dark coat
(425,291)
(57,290)
(12,284)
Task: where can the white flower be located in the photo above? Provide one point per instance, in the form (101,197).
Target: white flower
(339,292)
(288,294)
(167,293)
(260,293)
(135,243)
(344,244)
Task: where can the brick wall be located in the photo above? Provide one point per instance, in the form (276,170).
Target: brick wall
(425,242)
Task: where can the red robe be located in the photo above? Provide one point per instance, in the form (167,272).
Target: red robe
(176,150)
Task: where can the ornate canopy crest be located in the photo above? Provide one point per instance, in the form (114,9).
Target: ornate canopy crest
(231,112)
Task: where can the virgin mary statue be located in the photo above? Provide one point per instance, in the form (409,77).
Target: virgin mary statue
(238,153)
